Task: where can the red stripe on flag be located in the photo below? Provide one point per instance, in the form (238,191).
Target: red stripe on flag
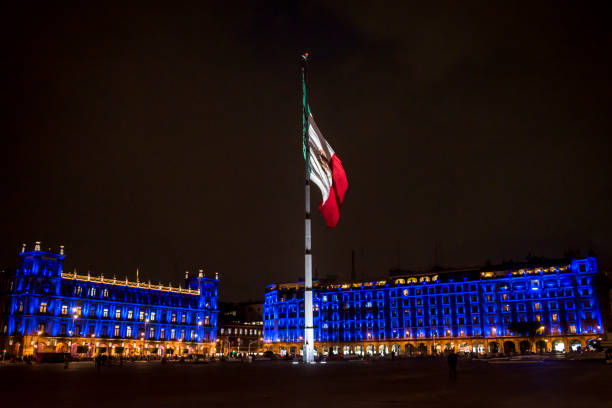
(331,208)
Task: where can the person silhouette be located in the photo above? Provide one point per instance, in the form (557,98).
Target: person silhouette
(452,365)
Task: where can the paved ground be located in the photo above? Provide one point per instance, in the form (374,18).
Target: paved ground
(414,383)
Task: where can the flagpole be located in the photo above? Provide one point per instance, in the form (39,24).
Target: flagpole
(308,352)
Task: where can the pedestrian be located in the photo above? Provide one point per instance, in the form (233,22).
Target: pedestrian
(452,365)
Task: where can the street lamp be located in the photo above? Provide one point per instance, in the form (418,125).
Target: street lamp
(254,341)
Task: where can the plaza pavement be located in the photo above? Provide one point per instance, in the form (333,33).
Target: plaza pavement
(399,383)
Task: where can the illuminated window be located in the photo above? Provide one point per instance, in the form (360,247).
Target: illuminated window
(506,308)
(475,320)
(183,334)
(105,312)
(538,318)
(419,301)
(118,314)
(572,328)
(489,298)
(43,307)
(162,333)
(172,334)
(505,296)
(128,331)
(183,318)
(537,306)
(151,332)
(79,310)
(207,320)
(92,291)
(20,308)
(105,293)
(405,292)
(192,335)
(152,316)
(64,309)
(141,315)
(41,327)
(130,314)
(555,317)
(77,290)
(173,317)
(117,331)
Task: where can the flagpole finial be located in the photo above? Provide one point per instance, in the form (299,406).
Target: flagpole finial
(305,56)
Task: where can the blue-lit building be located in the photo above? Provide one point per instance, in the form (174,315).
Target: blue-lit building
(44,309)
(469,310)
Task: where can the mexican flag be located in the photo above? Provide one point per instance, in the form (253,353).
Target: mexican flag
(327,173)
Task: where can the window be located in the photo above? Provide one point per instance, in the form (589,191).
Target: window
(521,307)
(571,316)
(64,309)
(505,296)
(20,308)
(474,309)
(461,320)
(63,330)
(555,317)
(117,331)
(434,322)
(506,319)
(569,304)
(162,333)
(537,306)
(418,291)
(538,318)
(105,312)
(553,305)
(405,292)
(490,309)
(206,320)
(491,320)
(92,291)
(77,290)
(105,293)
(183,334)
(183,318)
(506,308)
(172,334)
(41,327)
(572,328)
(118,314)
(173,317)
(151,332)
(475,320)
(141,315)
(459,298)
(130,314)
(79,310)
(419,301)
(445,299)
(152,318)
(128,331)
(43,307)
(489,298)
(474,298)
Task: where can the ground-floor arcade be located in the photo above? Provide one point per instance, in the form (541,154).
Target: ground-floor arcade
(89,347)
(424,347)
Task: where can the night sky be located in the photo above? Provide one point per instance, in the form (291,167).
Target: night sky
(168,138)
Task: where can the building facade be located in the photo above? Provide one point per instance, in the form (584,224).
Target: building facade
(47,310)
(240,328)
(471,310)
